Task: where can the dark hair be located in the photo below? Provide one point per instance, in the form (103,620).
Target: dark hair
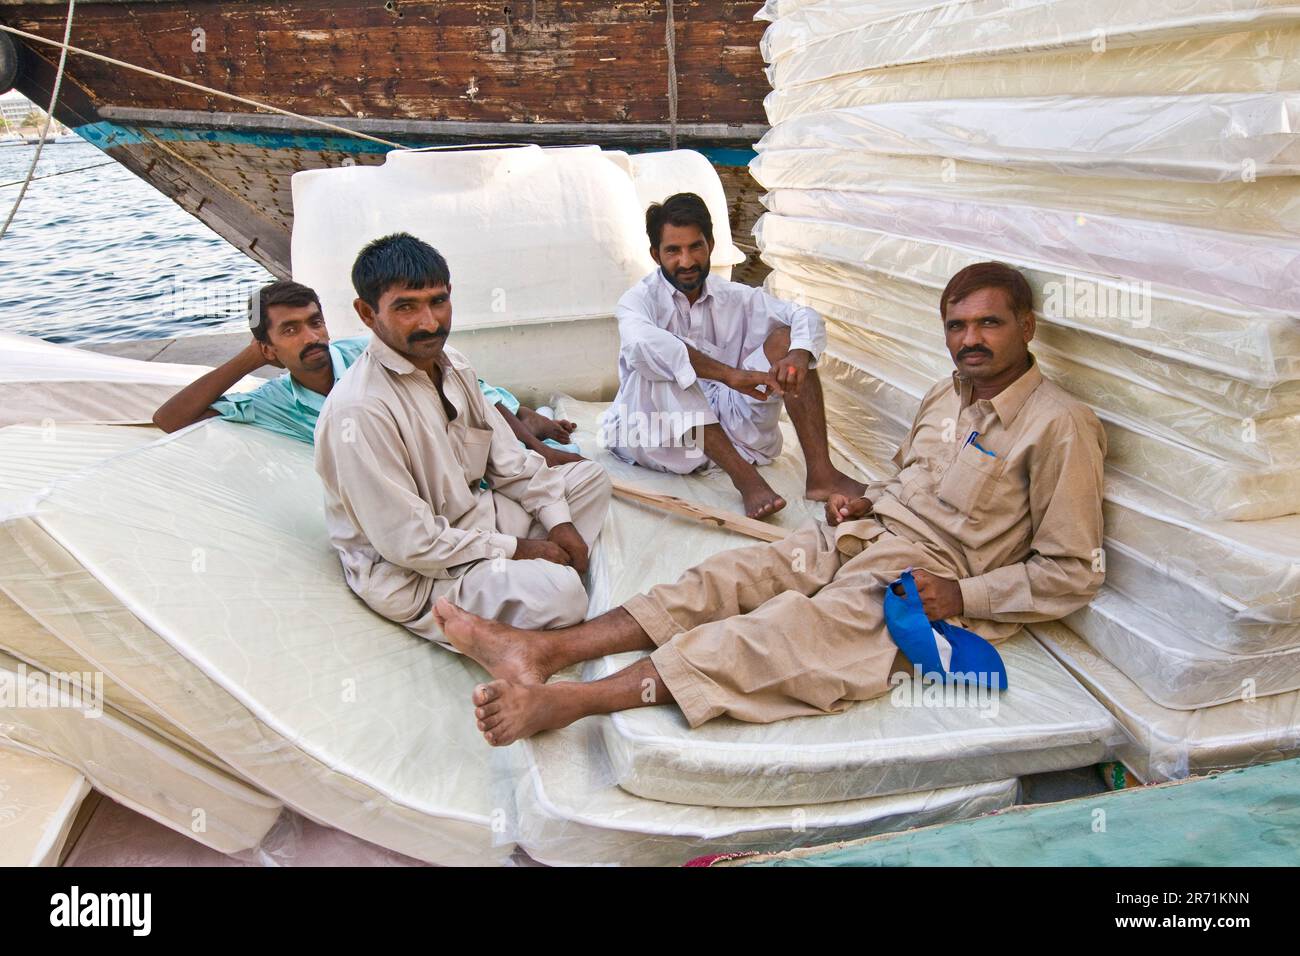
(681,209)
(398,259)
(280,292)
(989,275)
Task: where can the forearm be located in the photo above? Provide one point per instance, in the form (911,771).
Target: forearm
(521,431)
(188,405)
(706,367)
(1039,589)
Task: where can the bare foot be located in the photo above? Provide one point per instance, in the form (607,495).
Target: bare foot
(507,711)
(760,500)
(820,489)
(505,652)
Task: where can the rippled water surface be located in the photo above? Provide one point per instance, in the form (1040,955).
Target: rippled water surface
(101,254)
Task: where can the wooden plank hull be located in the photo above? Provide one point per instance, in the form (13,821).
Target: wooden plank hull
(413,73)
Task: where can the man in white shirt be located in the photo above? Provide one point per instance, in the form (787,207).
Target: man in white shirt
(428,493)
(706,364)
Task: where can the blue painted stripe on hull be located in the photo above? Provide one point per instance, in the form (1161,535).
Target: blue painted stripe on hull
(107,134)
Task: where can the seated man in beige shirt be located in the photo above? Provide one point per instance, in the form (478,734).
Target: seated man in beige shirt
(996,506)
(428,494)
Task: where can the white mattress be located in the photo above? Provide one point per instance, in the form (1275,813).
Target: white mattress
(862,305)
(127,762)
(1168,744)
(1239,62)
(1196,137)
(1172,668)
(824,40)
(46,384)
(39,800)
(286,676)
(572,813)
(1209,263)
(1259,346)
(1250,569)
(1045,723)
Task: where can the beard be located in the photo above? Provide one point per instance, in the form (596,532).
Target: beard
(692,285)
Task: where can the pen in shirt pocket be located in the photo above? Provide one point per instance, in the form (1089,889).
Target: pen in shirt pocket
(971,441)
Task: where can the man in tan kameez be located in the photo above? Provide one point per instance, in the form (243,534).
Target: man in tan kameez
(428,493)
(996,506)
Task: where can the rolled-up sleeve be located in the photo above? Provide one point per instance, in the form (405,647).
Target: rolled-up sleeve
(1066,566)
(360,454)
(644,347)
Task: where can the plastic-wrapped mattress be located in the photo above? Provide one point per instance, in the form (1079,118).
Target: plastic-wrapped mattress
(39,800)
(67,721)
(44,383)
(1174,669)
(816,41)
(1166,744)
(1258,346)
(218,601)
(572,813)
(1240,62)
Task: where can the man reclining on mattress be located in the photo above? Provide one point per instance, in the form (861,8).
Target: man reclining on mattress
(427,492)
(707,357)
(289,332)
(996,506)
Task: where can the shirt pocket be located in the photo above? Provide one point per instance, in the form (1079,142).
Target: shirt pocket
(970,480)
(477,445)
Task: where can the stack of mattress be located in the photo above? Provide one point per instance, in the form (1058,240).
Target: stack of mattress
(185,589)
(1139,164)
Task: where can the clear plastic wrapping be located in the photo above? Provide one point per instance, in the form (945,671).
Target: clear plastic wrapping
(156,566)
(1239,62)
(42,383)
(41,798)
(572,812)
(1262,207)
(1170,666)
(1199,262)
(1166,744)
(824,40)
(893,744)
(537,209)
(1258,346)
(66,721)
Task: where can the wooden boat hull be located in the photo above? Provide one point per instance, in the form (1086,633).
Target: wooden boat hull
(411,73)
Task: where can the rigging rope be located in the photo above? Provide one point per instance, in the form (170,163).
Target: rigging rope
(49,118)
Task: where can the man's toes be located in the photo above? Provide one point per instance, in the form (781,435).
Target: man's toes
(488,710)
(486,693)
(491,723)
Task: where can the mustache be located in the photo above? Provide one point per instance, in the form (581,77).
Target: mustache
(415,337)
(312,348)
(974,350)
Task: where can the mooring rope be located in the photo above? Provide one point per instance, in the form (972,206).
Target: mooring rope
(49,118)
(196,86)
(670,40)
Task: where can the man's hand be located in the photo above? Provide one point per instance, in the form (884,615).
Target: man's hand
(843,508)
(528,549)
(940,597)
(759,385)
(567,537)
(555,457)
(791,371)
(254,358)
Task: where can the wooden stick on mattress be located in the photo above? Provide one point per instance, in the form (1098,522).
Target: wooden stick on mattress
(702,513)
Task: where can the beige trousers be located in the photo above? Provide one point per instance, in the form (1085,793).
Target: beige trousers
(780,630)
(532,594)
